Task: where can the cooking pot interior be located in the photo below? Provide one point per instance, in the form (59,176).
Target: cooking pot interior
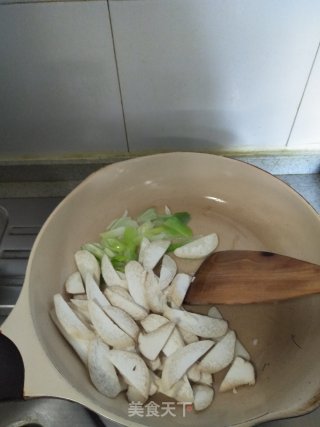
(249,209)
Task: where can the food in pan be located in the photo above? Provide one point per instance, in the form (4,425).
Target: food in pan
(123,314)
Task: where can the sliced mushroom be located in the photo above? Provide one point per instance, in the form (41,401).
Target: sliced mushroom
(81,309)
(153,253)
(176,365)
(154,321)
(109,274)
(136,276)
(123,320)
(87,263)
(121,291)
(151,344)
(102,372)
(156,300)
(70,321)
(199,324)
(133,309)
(181,390)
(134,395)
(187,336)
(215,313)
(241,351)
(178,288)
(133,369)
(174,343)
(143,246)
(220,356)
(194,373)
(203,396)
(205,378)
(80,345)
(167,272)
(109,332)
(240,373)
(155,364)
(74,284)
(94,293)
(198,248)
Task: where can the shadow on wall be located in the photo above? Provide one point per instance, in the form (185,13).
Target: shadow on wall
(185,130)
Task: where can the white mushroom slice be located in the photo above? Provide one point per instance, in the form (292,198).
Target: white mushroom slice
(143,246)
(156,300)
(87,263)
(136,276)
(187,336)
(215,313)
(200,325)
(134,395)
(102,372)
(80,346)
(109,274)
(69,320)
(154,252)
(176,365)
(121,291)
(153,389)
(123,320)
(178,288)
(240,373)
(133,369)
(184,393)
(220,356)
(241,351)
(153,321)
(181,390)
(167,271)
(130,348)
(74,284)
(152,343)
(121,274)
(198,248)
(81,308)
(205,378)
(239,348)
(109,332)
(194,373)
(167,210)
(133,309)
(94,293)
(154,364)
(174,342)
(203,396)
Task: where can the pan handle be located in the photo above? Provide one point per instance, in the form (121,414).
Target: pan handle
(11,370)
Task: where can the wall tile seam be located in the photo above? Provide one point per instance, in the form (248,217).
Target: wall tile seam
(302,95)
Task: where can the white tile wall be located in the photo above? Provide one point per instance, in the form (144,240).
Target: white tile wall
(306,130)
(205,74)
(59,91)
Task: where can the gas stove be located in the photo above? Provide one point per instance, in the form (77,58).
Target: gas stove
(20,221)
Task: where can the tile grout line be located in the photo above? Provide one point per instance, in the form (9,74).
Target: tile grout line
(118,76)
(302,96)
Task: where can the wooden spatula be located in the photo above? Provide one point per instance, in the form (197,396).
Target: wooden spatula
(244,277)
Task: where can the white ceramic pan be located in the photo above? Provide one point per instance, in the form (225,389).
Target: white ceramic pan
(249,209)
